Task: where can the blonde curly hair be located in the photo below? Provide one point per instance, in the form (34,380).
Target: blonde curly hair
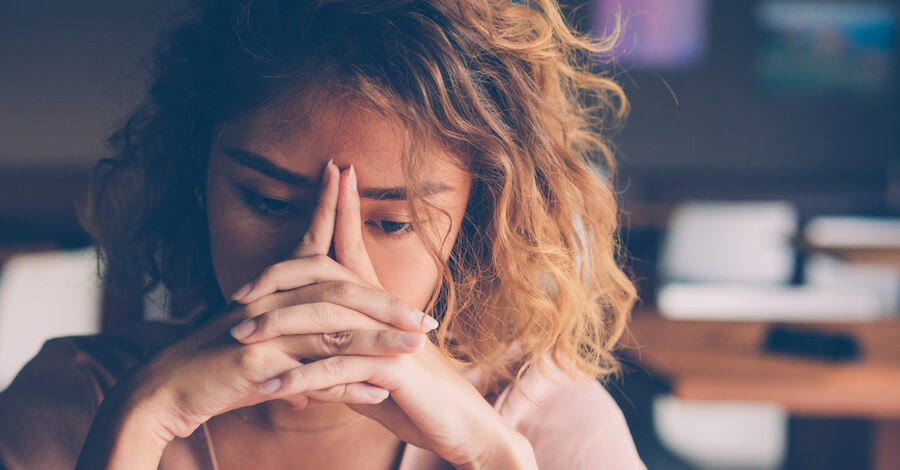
(508,87)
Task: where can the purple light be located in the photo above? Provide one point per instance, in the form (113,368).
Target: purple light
(659,33)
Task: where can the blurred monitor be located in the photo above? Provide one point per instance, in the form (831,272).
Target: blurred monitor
(814,47)
(659,34)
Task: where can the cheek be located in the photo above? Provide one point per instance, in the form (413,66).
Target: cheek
(409,273)
(406,268)
(240,246)
(236,252)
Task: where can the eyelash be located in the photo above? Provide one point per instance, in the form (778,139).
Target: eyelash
(379,226)
(258,204)
(261,205)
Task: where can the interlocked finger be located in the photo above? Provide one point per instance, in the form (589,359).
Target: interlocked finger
(333,371)
(356,393)
(379,342)
(328,307)
(297,273)
(306,318)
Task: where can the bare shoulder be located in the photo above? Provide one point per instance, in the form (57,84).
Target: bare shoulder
(571,423)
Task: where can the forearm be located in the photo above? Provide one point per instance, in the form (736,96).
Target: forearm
(124,435)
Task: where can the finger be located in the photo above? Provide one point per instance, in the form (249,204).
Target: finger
(300,402)
(308,318)
(350,343)
(318,237)
(349,248)
(255,363)
(333,371)
(357,393)
(285,310)
(296,273)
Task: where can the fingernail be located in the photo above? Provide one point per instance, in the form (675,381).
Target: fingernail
(352,176)
(270,386)
(411,340)
(242,292)
(244,329)
(376,393)
(326,177)
(428,322)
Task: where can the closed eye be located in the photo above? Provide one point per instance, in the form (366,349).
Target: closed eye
(266,206)
(390,228)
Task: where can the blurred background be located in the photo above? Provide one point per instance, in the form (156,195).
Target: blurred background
(760,178)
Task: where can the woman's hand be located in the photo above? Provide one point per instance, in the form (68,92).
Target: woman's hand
(432,406)
(329,310)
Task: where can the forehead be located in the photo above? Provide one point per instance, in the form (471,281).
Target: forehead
(301,132)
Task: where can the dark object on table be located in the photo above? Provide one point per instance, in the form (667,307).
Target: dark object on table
(812,344)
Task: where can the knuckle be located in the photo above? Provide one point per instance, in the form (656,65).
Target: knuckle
(385,340)
(295,379)
(335,343)
(396,306)
(341,290)
(251,358)
(274,321)
(324,313)
(270,323)
(333,367)
(340,392)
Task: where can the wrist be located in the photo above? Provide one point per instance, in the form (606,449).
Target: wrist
(155,402)
(125,434)
(511,450)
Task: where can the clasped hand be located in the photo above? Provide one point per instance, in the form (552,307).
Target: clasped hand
(315,329)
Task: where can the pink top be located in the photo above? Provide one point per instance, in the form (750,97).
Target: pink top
(47,411)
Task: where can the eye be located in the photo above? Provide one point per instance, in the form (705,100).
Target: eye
(390,227)
(266,206)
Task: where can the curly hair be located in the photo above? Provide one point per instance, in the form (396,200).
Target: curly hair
(509,87)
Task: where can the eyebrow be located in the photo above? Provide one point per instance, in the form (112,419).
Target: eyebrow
(399,193)
(267,167)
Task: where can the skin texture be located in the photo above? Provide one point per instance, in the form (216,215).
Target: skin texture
(243,242)
(330,316)
(371,237)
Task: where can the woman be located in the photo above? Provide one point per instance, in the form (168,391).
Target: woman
(380,223)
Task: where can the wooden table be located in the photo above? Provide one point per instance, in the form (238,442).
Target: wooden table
(857,254)
(706,360)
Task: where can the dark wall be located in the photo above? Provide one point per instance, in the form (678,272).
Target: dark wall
(68,72)
(712,131)
(724,119)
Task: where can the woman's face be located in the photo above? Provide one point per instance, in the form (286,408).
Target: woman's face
(262,182)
